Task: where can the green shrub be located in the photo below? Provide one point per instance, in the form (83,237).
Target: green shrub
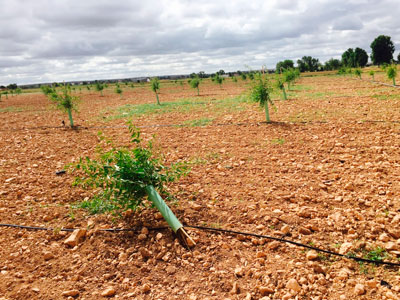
(120,175)
(64,101)
(46,89)
(118,90)
(218,79)
(194,83)
(260,93)
(289,76)
(155,87)
(280,84)
(372,74)
(99,87)
(391,72)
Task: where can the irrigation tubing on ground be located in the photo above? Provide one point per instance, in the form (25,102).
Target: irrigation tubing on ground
(378,82)
(183,125)
(227,231)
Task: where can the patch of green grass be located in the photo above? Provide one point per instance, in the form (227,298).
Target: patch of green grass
(95,205)
(11,109)
(299,87)
(377,254)
(278,141)
(130,110)
(387,97)
(230,104)
(185,105)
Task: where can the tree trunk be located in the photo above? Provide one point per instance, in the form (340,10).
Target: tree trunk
(165,211)
(267,112)
(158,100)
(71,122)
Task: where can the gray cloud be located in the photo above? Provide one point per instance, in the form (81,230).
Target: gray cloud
(46,40)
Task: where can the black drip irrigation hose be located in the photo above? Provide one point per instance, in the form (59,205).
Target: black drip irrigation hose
(232,232)
(183,125)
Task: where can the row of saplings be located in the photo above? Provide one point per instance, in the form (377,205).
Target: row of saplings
(260,91)
(390,70)
(124,177)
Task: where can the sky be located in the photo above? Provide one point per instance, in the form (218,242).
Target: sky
(66,40)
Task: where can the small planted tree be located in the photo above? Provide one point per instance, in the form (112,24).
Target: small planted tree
(234,79)
(391,72)
(64,101)
(296,73)
(260,93)
(155,87)
(46,90)
(289,76)
(349,71)
(358,72)
(218,79)
(118,90)
(99,87)
(194,83)
(280,84)
(125,177)
(372,74)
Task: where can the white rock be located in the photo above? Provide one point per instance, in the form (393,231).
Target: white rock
(74,239)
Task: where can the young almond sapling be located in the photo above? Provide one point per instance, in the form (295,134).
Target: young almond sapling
(289,76)
(155,87)
(372,74)
(280,84)
(64,101)
(124,177)
(99,87)
(260,92)
(218,79)
(391,72)
(194,83)
(118,90)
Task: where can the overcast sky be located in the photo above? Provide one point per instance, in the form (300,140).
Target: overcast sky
(56,40)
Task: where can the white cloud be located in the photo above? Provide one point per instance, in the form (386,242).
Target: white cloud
(45,40)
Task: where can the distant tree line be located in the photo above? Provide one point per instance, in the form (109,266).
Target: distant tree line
(382,53)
